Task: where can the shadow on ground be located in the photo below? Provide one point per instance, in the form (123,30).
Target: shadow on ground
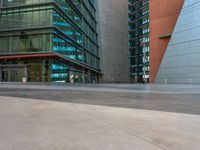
(181,103)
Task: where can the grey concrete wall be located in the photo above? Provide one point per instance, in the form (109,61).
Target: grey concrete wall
(181,62)
(112,17)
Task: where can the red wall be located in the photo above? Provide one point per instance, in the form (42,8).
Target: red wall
(163,17)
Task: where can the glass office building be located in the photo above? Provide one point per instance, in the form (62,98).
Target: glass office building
(48,41)
(139,40)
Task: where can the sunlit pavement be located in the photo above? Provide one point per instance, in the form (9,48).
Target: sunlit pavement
(99,117)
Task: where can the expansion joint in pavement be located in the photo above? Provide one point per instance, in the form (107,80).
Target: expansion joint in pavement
(121,129)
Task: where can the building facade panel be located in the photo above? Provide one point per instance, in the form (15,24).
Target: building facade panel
(181,61)
(163,17)
(139,40)
(113,40)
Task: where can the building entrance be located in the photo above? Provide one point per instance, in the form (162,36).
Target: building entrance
(11,73)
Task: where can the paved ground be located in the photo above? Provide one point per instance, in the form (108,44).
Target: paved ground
(99,117)
(139,88)
(170,98)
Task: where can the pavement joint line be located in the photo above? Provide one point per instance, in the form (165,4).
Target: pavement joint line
(120,128)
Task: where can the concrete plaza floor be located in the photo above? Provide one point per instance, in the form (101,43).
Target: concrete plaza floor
(99,117)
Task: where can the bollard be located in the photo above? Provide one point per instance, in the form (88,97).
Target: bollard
(190,80)
(24,80)
(165,80)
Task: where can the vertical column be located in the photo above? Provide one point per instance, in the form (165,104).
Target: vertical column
(0,74)
(83,75)
(72,76)
(89,76)
(1,4)
(50,44)
(96,77)
(10,45)
(26,73)
(48,70)
(44,44)
(43,70)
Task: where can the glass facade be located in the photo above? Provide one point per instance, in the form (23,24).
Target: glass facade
(63,27)
(139,40)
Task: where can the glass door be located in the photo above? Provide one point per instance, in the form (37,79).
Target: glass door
(12,74)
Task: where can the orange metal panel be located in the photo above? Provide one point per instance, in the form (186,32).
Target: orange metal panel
(163,17)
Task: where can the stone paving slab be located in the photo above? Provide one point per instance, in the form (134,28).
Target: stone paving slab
(30,124)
